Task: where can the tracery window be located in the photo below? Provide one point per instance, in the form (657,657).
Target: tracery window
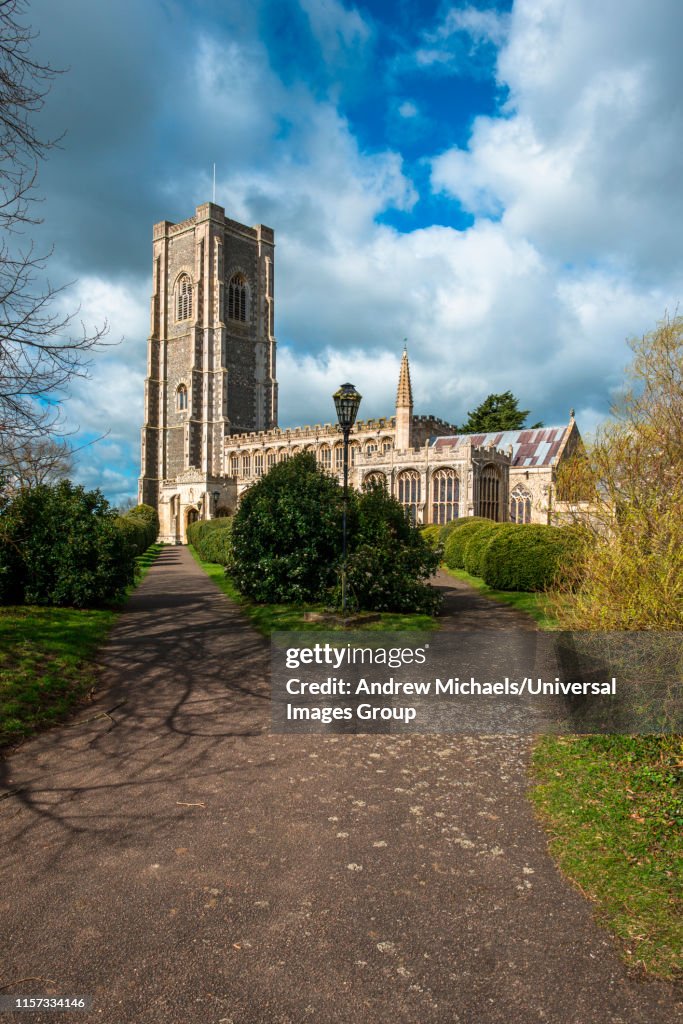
(237,298)
(354,452)
(520,505)
(339,458)
(325,457)
(246,465)
(489,494)
(409,491)
(386,445)
(181,398)
(271,458)
(183,298)
(258,464)
(375,479)
(234,465)
(445,496)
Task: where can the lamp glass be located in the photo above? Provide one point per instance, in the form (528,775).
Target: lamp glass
(347,402)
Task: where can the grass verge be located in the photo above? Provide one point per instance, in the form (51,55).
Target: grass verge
(46,660)
(536,605)
(613,806)
(268,618)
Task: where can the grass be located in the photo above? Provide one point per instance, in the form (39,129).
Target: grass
(536,605)
(46,662)
(269,618)
(613,806)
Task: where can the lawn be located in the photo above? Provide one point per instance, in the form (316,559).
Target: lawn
(46,664)
(613,806)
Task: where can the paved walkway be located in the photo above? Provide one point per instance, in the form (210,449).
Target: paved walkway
(184,866)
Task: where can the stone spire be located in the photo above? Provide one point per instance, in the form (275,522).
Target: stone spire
(404,394)
(404,406)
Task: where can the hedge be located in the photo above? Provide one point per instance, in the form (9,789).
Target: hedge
(476,546)
(527,558)
(139,527)
(457,538)
(212,539)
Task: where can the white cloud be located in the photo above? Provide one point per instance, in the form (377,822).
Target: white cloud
(408,109)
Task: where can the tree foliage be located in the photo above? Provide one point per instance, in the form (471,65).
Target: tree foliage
(60,545)
(38,354)
(497,412)
(627,489)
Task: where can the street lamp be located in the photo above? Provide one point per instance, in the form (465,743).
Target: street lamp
(347,402)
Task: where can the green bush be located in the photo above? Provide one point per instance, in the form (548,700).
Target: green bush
(139,527)
(212,539)
(61,546)
(476,546)
(391,560)
(287,534)
(457,538)
(529,558)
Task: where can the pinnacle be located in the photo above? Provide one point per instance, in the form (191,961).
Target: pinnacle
(404,394)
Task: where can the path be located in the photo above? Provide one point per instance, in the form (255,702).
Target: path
(186,867)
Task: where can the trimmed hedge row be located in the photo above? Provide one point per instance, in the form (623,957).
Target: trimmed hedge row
(509,556)
(212,539)
(139,527)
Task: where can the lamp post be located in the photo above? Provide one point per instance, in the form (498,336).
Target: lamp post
(347,402)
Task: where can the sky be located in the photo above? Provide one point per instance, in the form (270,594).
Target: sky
(499,183)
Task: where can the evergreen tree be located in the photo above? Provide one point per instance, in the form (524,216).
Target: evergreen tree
(497,412)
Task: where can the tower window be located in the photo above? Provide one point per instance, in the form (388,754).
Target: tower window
(183,298)
(181,398)
(237,298)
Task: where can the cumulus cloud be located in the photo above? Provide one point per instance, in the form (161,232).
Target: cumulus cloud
(573,188)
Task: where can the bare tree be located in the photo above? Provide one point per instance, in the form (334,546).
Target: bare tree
(39,355)
(37,461)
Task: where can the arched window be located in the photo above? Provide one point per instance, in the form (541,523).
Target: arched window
(387,445)
(409,491)
(520,505)
(246,465)
(445,496)
(375,480)
(282,455)
(339,458)
(183,298)
(489,494)
(271,458)
(181,398)
(234,465)
(325,457)
(371,447)
(354,452)
(258,464)
(238,295)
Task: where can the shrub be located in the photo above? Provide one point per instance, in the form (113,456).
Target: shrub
(212,539)
(61,546)
(457,538)
(287,534)
(476,546)
(139,528)
(391,559)
(528,557)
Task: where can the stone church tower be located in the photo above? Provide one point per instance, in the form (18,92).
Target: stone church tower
(211,353)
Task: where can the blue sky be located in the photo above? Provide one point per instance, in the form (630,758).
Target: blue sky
(499,183)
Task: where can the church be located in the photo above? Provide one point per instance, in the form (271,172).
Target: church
(211,398)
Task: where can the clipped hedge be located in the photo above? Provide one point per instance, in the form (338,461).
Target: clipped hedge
(476,546)
(212,539)
(528,558)
(457,538)
(139,528)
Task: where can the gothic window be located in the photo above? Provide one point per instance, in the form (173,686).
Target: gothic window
(238,295)
(234,465)
(325,457)
(258,464)
(339,458)
(246,465)
(354,452)
(520,505)
(445,496)
(181,398)
(387,445)
(375,480)
(183,298)
(371,448)
(271,458)
(409,491)
(282,455)
(489,494)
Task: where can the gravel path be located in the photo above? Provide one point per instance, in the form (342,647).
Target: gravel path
(182,865)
